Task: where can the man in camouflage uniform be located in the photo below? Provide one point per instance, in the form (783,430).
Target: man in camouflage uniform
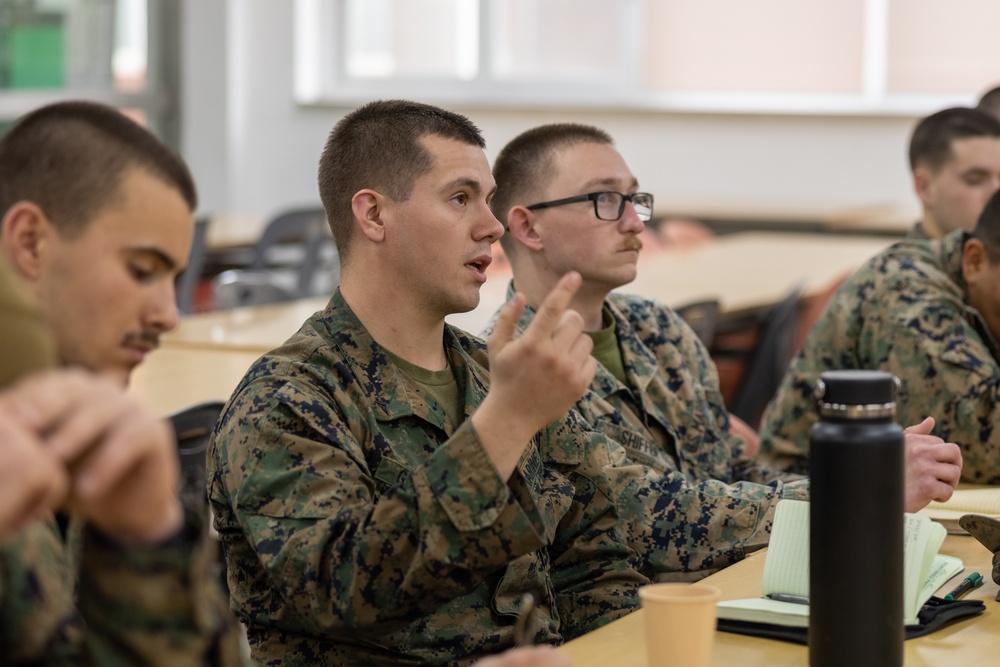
(570,204)
(928,312)
(96,223)
(382,499)
(955,164)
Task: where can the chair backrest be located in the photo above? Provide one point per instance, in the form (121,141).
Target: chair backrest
(304,230)
(187,281)
(236,288)
(192,428)
(702,317)
(769,360)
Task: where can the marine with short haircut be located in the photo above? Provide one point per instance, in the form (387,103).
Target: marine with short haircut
(928,312)
(387,488)
(571,203)
(96,222)
(955,165)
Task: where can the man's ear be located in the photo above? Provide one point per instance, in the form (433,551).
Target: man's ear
(368,208)
(24,232)
(521,225)
(922,184)
(975,261)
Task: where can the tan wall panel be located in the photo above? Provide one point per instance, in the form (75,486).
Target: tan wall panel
(937,46)
(760,46)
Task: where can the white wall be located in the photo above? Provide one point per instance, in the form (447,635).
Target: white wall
(254,151)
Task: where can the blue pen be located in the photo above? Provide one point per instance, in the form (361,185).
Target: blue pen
(971,581)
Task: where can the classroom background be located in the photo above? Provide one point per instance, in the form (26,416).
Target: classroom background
(762,113)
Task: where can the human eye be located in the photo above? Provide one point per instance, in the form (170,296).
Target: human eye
(606,197)
(974,178)
(142,273)
(461,199)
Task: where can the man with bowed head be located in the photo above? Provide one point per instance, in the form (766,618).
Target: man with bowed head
(99,563)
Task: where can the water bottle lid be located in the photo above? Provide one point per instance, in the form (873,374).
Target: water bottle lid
(857,394)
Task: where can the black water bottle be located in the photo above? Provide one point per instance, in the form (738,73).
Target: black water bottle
(856,523)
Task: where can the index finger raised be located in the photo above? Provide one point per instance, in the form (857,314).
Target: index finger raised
(555,304)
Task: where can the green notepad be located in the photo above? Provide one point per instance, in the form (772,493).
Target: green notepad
(786,569)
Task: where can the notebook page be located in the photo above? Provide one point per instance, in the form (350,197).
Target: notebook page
(971,501)
(921,540)
(786,567)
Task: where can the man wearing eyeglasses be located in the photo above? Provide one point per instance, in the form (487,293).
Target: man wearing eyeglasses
(570,203)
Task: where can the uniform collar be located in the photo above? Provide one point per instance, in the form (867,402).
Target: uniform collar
(391,392)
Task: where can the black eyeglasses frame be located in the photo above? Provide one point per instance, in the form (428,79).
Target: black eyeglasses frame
(594,196)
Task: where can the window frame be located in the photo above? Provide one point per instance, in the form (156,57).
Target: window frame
(320,86)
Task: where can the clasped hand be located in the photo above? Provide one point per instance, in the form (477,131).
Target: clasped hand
(75,441)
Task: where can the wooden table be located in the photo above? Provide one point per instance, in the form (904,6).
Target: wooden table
(973,641)
(877,216)
(743,271)
(751,270)
(232,230)
(174,378)
(254,329)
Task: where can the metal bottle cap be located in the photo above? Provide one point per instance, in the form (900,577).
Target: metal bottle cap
(856,394)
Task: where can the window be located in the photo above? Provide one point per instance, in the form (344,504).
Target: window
(820,56)
(111,51)
(495,51)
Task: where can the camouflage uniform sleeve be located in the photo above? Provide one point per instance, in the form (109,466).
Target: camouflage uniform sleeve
(752,470)
(38,622)
(903,319)
(947,372)
(595,573)
(347,548)
(156,604)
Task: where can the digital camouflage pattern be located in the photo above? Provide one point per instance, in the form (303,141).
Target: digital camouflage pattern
(709,506)
(148,605)
(360,528)
(905,312)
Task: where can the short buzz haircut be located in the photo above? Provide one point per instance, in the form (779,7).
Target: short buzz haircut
(930,144)
(987,228)
(70,159)
(524,165)
(990,102)
(377,146)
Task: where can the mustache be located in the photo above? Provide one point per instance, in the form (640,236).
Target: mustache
(631,243)
(149,339)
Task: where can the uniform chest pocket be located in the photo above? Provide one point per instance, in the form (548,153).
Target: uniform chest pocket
(390,473)
(639,449)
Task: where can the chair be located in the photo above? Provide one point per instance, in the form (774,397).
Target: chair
(294,248)
(187,281)
(305,232)
(768,360)
(193,427)
(236,288)
(702,317)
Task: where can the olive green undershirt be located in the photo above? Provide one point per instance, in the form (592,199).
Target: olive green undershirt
(440,385)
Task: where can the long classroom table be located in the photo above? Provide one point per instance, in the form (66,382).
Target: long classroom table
(743,271)
(170,379)
(971,641)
